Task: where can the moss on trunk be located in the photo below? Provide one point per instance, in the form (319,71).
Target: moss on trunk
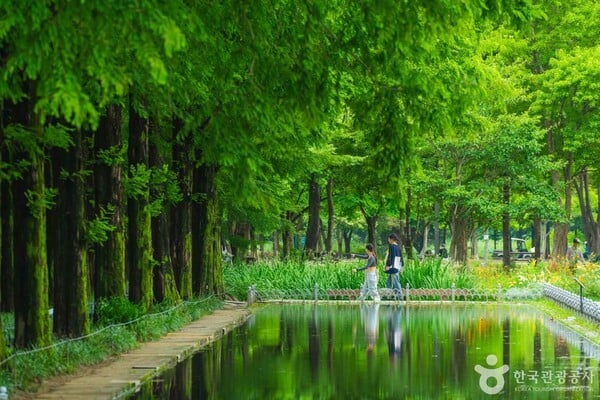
(110,258)
(32,322)
(139,218)
(207,272)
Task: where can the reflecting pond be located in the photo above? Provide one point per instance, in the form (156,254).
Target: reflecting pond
(372,351)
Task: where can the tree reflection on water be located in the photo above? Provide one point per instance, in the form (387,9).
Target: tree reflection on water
(372,351)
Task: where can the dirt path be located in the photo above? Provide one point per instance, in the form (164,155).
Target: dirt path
(125,373)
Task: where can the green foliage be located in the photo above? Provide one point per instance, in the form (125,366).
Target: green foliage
(555,272)
(98,228)
(434,273)
(37,202)
(114,155)
(116,310)
(164,189)
(137,182)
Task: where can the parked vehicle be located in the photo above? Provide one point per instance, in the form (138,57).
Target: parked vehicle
(518,250)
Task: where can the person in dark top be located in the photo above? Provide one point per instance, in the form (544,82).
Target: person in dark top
(394,264)
(369,288)
(443,253)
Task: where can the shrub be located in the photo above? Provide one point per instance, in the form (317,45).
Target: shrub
(116,310)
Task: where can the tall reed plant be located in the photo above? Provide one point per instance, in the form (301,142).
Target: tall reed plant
(434,273)
(303,276)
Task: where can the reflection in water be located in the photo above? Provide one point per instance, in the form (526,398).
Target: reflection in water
(506,343)
(394,333)
(313,343)
(322,351)
(370,318)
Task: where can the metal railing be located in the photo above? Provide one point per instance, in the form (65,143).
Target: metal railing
(585,306)
(407,294)
(574,338)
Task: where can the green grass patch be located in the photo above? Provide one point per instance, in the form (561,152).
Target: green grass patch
(569,318)
(120,328)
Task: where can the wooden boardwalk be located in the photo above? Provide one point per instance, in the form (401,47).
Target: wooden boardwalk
(129,371)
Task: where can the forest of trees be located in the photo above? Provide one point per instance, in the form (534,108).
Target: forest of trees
(139,136)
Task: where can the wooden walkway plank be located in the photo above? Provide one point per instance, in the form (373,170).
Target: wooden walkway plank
(129,371)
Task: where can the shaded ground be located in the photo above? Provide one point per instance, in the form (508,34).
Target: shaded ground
(129,371)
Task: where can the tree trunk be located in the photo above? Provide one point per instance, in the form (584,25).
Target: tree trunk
(474,252)
(347,240)
(165,289)
(32,322)
(110,261)
(458,244)
(287,234)
(595,246)
(425,239)
(252,238)
(371,221)
(436,228)
(330,216)
(486,245)
(544,245)
(3,352)
(407,240)
(181,216)
(275,244)
(71,316)
(314,204)
(371,227)
(340,242)
(241,234)
(139,222)
(561,229)
(537,238)
(591,227)
(207,270)
(7,261)
(506,237)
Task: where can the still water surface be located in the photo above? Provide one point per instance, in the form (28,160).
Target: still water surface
(370,351)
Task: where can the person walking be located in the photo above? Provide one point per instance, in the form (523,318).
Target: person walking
(394,264)
(574,254)
(369,288)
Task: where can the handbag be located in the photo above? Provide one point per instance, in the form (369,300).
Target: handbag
(396,267)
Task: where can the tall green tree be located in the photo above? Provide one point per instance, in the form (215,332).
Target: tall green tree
(32,198)
(555,56)
(68,233)
(109,200)
(138,209)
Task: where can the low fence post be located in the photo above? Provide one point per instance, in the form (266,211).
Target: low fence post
(316,292)
(580,294)
(453,291)
(407,291)
(251,294)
